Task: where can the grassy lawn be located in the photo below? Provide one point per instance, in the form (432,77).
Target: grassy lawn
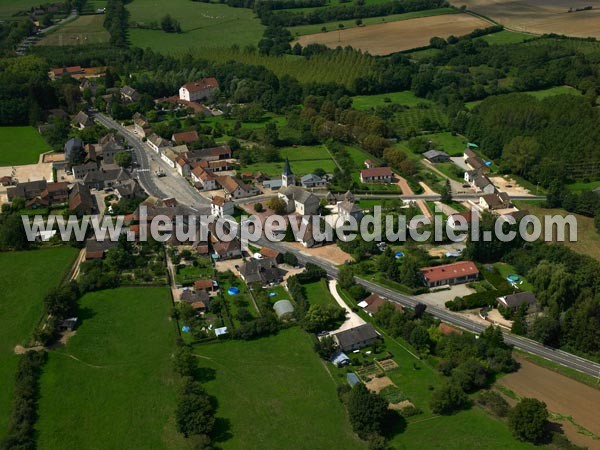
(505,37)
(418,55)
(190,273)
(472,429)
(581,186)
(333,26)
(506,270)
(303,160)
(83,30)
(10,7)
(541,94)
(21,145)
(26,277)
(275,393)
(202,26)
(406,98)
(113,383)
(454,145)
(317,293)
(588,238)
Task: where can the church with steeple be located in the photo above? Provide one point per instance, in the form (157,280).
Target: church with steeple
(287,177)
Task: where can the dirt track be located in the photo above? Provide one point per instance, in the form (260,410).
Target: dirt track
(386,38)
(540,16)
(563,396)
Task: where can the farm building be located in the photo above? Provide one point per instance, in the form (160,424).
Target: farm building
(449,274)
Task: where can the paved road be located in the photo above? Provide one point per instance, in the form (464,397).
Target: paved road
(173,185)
(528,345)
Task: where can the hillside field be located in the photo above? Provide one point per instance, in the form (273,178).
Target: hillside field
(25,277)
(112,385)
(203,25)
(540,17)
(83,30)
(21,145)
(386,38)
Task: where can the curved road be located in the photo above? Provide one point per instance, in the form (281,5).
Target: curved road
(528,345)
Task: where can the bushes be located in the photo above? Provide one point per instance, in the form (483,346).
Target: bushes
(529,420)
(476,300)
(21,433)
(494,402)
(448,399)
(312,273)
(195,415)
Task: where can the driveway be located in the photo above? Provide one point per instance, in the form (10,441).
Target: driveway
(352,319)
(439,298)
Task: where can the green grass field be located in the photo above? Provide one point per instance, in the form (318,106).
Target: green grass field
(333,26)
(10,7)
(556,90)
(417,118)
(454,145)
(26,277)
(21,145)
(83,30)
(405,98)
(506,270)
(203,25)
(112,385)
(582,186)
(505,37)
(317,293)
(303,160)
(275,393)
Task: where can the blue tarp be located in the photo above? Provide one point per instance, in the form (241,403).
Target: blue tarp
(399,255)
(185,329)
(233,291)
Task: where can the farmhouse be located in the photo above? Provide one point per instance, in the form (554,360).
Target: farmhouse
(474,161)
(264,271)
(183,167)
(227,250)
(234,188)
(513,301)
(449,274)
(479,181)
(27,190)
(356,338)
(203,179)
(268,252)
(185,137)
(436,156)
(460,219)
(497,200)
(369,163)
(198,90)
(39,193)
(170,155)
(376,175)
(219,207)
(299,200)
(69,71)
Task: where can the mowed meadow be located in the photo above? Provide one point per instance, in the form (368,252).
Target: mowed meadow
(203,25)
(275,393)
(25,277)
(112,386)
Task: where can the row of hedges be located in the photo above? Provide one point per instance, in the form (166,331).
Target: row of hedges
(476,300)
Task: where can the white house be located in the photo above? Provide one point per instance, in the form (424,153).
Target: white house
(299,200)
(205,178)
(157,143)
(198,90)
(376,175)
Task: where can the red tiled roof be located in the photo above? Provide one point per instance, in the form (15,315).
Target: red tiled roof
(376,172)
(186,136)
(218,200)
(465,215)
(203,284)
(269,252)
(204,83)
(448,271)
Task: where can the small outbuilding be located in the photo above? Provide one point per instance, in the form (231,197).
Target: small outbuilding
(284,309)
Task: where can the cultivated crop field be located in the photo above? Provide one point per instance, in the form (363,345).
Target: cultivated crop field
(405,98)
(563,396)
(203,25)
(386,38)
(275,393)
(21,145)
(26,277)
(112,385)
(540,16)
(83,30)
